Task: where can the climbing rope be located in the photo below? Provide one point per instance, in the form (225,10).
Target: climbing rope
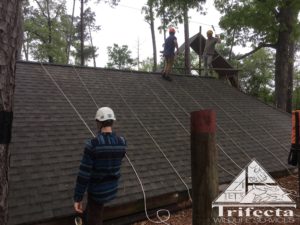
(180,123)
(233,161)
(197,103)
(245,131)
(145,128)
(161,219)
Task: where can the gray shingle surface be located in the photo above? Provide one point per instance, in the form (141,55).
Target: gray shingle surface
(48,136)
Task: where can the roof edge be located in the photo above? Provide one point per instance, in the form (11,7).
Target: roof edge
(107,69)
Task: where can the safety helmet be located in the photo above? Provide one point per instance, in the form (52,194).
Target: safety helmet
(171,30)
(105,113)
(209,32)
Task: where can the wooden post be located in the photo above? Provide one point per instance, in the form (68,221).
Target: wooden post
(200,48)
(204,166)
(294,157)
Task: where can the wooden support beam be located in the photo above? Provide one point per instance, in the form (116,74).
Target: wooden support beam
(204,161)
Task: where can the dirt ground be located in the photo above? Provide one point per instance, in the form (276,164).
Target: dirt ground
(289,183)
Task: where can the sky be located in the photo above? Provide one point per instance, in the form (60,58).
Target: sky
(125,25)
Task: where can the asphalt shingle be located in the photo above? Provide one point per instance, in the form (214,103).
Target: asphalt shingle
(48,136)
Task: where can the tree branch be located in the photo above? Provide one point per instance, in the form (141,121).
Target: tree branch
(262,45)
(41,8)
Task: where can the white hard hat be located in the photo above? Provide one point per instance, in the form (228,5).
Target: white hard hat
(105,113)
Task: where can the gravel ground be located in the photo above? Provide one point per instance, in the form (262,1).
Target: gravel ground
(290,183)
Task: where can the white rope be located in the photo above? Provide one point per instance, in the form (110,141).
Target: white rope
(248,133)
(218,126)
(161,220)
(68,100)
(242,129)
(249,117)
(152,138)
(180,123)
(83,83)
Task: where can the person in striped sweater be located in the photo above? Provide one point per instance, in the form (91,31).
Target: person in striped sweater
(99,169)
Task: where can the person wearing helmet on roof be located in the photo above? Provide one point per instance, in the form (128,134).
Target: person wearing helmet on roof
(169,53)
(99,170)
(209,51)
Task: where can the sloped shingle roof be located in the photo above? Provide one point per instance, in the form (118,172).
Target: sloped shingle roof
(48,136)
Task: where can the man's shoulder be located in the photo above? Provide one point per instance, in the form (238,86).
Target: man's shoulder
(171,38)
(121,140)
(92,143)
(113,139)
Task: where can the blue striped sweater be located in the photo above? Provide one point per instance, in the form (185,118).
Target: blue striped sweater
(99,170)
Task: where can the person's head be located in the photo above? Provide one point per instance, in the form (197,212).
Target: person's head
(105,117)
(171,31)
(209,33)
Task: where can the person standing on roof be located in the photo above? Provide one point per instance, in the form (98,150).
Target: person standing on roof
(169,53)
(209,51)
(99,170)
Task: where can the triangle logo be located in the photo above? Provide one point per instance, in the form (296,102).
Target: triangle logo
(254,187)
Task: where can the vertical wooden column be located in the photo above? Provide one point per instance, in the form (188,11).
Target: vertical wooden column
(200,49)
(204,159)
(294,156)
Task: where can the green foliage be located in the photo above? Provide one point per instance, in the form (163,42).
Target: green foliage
(119,57)
(265,23)
(48,28)
(178,67)
(296,92)
(89,25)
(257,75)
(112,3)
(45,30)
(146,65)
(255,21)
(170,12)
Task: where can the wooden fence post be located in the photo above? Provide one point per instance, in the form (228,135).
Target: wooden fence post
(204,161)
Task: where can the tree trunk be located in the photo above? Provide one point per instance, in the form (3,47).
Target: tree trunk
(69,41)
(231,45)
(293,16)
(10,42)
(93,53)
(154,69)
(26,50)
(187,59)
(81,36)
(49,22)
(282,56)
(289,105)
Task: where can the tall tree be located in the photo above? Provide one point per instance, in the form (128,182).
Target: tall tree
(46,28)
(178,12)
(266,23)
(89,51)
(257,75)
(10,42)
(81,33)
(119,57)
(84,25)
(70,33)
(187,61)
(179,64)
(149,18)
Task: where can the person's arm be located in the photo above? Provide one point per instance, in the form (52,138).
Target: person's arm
(176,46)
(83,177)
